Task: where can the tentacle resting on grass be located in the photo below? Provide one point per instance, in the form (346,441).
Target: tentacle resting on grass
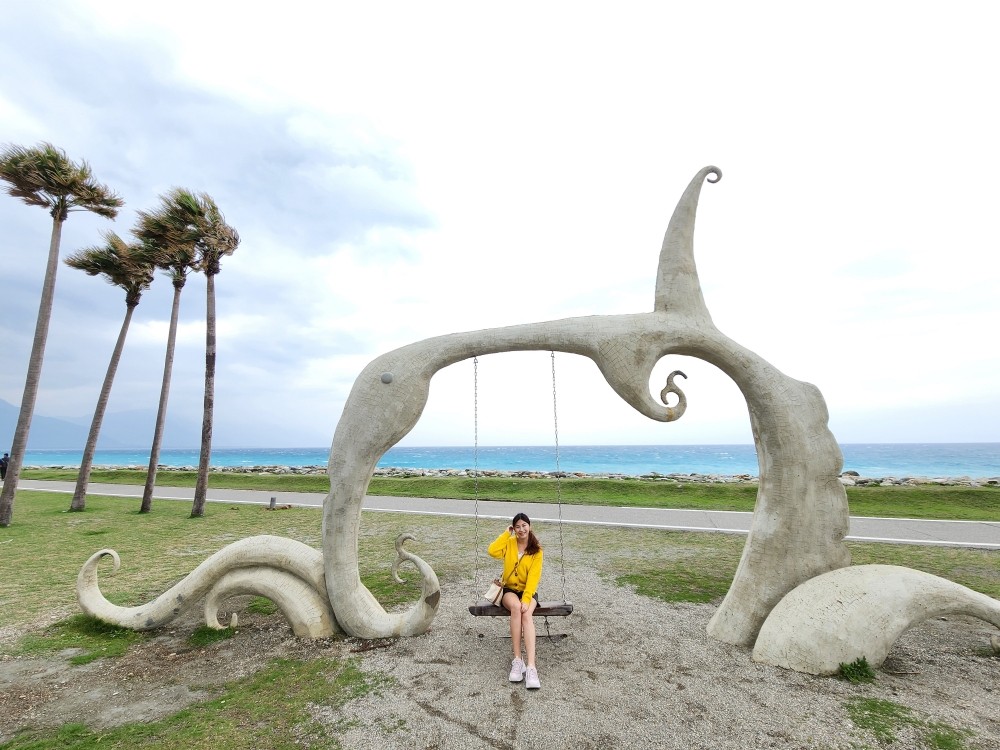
(275,562)
(850,613)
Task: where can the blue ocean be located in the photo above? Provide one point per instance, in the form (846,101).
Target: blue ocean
(973,460)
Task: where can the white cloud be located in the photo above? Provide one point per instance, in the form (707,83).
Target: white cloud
(398,172)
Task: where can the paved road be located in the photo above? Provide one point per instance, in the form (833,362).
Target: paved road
(978,534)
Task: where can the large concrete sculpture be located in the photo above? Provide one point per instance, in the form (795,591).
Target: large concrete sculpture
(798,524)
(801,514)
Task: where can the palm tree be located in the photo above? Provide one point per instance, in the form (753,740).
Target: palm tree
(191,227)
(164,233)
(130,268)
(218,240)
(44,176)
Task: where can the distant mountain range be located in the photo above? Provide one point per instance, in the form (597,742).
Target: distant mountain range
(120,430)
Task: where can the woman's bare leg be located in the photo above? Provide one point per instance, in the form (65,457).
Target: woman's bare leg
(527,627)
(513,605)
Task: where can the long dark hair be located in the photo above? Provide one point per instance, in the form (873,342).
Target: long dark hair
(533,545)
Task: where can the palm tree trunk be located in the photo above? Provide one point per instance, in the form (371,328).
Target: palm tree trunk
(201,488)
(20,441)
(83,479)
(161,412)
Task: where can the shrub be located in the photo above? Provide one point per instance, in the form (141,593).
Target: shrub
(857,671)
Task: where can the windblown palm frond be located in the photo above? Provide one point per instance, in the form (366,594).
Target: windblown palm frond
(129,267)
(44,176)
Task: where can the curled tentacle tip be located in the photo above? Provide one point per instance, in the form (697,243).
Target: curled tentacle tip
(713,174)
(402,538)
(402,556)
(116,560)
(675,412)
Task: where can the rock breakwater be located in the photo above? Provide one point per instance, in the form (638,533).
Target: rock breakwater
(848,478)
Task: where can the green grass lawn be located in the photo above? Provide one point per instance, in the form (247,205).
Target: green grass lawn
(924,501)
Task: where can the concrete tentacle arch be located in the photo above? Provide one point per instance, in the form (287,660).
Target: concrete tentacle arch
(801,514)
(798,525)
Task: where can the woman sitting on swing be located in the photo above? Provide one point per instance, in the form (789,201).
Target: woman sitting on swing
(522,569)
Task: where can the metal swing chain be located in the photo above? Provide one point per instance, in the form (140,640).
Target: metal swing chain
(475,468)
(555,423)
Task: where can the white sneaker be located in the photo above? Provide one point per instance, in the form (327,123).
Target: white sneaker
(531,679)
(516,670)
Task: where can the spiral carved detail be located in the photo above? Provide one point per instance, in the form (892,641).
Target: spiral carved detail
(677,411)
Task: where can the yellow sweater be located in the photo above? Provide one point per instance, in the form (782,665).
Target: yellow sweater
(520,575)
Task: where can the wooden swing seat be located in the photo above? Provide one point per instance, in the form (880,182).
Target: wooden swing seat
(544,609)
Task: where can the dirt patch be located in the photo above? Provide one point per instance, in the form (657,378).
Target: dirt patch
(152,680)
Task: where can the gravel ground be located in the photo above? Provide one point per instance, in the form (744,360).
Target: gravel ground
(638,673)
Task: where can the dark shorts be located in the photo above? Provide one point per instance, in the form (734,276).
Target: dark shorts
(519,593)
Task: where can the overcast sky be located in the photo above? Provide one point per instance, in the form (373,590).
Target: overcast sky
(402,170)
